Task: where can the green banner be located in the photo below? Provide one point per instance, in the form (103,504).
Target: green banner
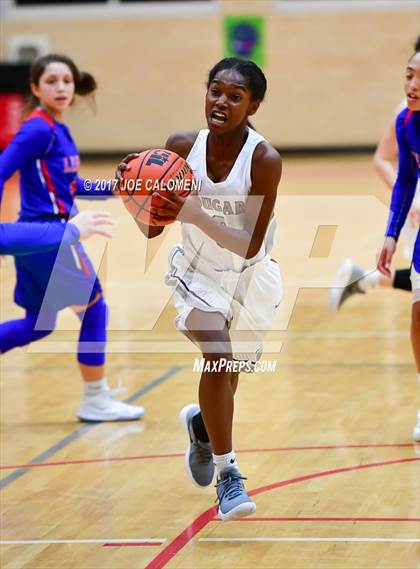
(244,38)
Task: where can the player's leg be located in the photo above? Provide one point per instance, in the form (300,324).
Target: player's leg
(415,336)
(216,395)
(415,340)
(20,332)
(353,279)
(199,454)
(98,403)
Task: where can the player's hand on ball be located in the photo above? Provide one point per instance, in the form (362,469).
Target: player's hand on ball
(123,166)
(88,223)
(182,209)
(385,256)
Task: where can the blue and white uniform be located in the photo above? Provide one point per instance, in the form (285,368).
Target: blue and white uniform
(408,137)
(47,159)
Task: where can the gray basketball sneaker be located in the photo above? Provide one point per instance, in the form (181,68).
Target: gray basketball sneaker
(346,283)
(234,502)
(198,456)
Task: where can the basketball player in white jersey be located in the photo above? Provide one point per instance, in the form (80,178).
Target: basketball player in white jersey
(226,286)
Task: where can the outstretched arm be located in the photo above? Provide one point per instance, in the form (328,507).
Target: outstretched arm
(27,238)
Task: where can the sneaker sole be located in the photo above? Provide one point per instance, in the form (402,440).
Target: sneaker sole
(340,282)
(183,419)
(97,419)
(241,511)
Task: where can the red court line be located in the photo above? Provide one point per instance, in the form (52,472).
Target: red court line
(328,519)
(92,461)
(133,544)
(178,455)
(199,523)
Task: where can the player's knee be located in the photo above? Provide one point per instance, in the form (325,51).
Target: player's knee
(96,315)
(39,325)
(215,344)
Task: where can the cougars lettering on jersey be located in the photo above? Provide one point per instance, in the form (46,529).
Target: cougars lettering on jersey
(224,206)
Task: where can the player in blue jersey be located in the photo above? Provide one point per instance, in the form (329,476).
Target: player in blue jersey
(47,159)
(31,237)
(353,279)
(408,137)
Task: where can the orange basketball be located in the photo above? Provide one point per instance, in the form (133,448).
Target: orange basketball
(154,172)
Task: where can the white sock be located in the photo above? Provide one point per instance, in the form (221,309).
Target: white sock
(222,461)
(93,388)
(371,280)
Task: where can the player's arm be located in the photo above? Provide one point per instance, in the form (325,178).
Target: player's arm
(30,142)
(265,175)
(402,198)
(405,185)
(147,230)
(150,231)
(385,156)
(180,143)
(25,238)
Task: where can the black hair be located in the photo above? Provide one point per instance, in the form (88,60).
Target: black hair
(84,83)
(416,48)
(253,75)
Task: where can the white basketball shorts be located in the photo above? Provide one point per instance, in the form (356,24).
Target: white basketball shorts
(248,300)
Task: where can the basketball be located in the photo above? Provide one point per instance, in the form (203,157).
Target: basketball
(153,173)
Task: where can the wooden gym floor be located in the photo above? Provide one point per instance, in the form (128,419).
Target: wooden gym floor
(325,441)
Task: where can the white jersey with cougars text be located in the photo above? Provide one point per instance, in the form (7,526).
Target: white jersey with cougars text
(226,202)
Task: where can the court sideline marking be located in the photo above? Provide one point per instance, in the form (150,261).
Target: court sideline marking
(181,454)
(186,536)
(333,539)
(77,433)
(105,542)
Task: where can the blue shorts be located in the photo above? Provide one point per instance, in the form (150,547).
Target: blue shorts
(416,253)
(56,279)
